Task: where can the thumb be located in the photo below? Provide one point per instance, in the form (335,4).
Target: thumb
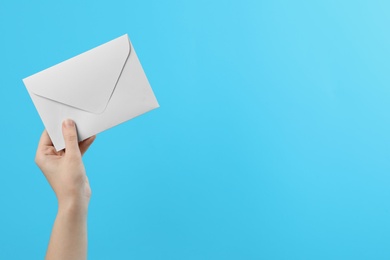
(70,136)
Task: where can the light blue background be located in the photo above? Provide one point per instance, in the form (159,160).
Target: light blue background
(272,140)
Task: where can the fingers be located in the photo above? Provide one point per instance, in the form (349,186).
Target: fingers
(45,140)
(70,136)
(84,145)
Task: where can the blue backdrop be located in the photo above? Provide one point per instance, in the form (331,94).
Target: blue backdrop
(272,140)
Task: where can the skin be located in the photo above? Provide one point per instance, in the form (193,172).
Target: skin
(66,174)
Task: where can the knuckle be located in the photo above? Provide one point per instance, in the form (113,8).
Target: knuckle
(40,162)
(71,137)
(38,159)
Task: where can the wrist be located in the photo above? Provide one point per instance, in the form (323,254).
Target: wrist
(77,207)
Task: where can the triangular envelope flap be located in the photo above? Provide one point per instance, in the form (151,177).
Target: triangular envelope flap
(85,81)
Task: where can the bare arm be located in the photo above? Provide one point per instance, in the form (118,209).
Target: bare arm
(65,172)
(69,235)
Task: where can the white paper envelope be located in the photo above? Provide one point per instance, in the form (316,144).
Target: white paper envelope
(98,89)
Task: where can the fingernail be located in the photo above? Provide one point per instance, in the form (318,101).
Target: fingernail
(69,123)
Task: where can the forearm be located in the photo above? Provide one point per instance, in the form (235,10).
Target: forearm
(69,235)
(66,174)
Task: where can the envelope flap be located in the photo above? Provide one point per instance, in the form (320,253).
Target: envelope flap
(86,81)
